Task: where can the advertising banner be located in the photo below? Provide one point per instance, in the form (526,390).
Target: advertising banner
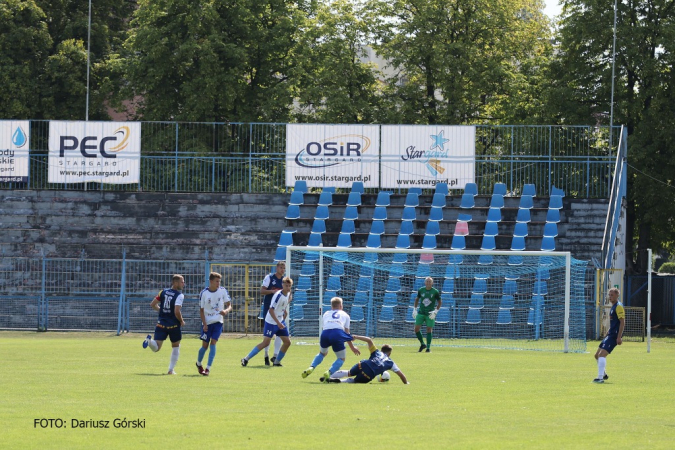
(332,155)
(102,152)
(14,147)
(423,155)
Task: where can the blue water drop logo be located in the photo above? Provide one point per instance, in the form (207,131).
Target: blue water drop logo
(19,137)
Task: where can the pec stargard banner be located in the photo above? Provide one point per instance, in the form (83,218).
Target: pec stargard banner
(14,147)
(423,155)
(102,152)
(332,155)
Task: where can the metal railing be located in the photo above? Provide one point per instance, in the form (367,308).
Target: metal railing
(617,195)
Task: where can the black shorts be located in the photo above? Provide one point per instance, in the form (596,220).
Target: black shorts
(172,331)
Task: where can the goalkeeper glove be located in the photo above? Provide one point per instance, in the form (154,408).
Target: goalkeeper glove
(414,313)
(432,314)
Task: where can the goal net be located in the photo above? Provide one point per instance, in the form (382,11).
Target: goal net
(498,299)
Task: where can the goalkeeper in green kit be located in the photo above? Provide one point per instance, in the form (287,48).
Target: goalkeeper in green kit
(430,300)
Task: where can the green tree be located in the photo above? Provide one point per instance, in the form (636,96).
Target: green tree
(460,61)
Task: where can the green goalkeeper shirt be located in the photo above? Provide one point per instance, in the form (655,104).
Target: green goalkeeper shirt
(427,299)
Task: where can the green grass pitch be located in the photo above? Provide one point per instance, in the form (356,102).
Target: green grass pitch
(458,397)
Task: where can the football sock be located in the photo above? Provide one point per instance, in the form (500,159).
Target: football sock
(336,366)
(267,351)
(318,359)
(212,355)
(277,345)
(153,345)
(340,374)
(348,380)
(428,340)
(254,352)
(419,336)
(175,352)
(602,363)
(200,355)
(279,357)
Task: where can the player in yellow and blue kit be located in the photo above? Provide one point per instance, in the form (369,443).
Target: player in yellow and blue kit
(617,321)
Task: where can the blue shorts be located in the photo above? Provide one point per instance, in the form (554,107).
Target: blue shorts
(213,331)
(608,343)
(361,373)
(270,330)
(172,331)
(335,338)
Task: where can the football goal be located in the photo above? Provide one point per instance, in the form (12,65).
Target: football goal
(525,300)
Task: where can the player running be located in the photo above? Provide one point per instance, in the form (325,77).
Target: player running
(214,305)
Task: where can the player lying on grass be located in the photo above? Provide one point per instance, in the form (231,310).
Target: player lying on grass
(367,370)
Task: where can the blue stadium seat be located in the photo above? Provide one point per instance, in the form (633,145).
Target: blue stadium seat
(408,213)
(523,215)
(406,227)
(403,241)
(497,201)
(433,229)
(540,288)
(547,244)
(348,227)
(326,198)
(557,191)
(464,217)
(377,227)
(488,243)
(543,274)
(315,240)
(415,190)
(374,241)
(383,198)
(390,299)
(507,302)
(520,229)
(293,212)
(499,189)
(429,242)
(386,314)
(491,229)
(443,315)
(304,283)
(297,312)
(423,271)
(330,189)
(468,201)
(485,260)
(477,301)
(360,299)
(301,186)
(555,202)
(553,215)
(510,287)
(436,214)
(380,213)
(504,317)
(412,199)
(319,226)
(357,186)
(286,238)
(441,188)
(551,229)
(448,285)
(393,285)
(471,189)
(321,213)
(351,213)
(371,257)
(337,268)
(297,198)
(400,258)
(299,298)
(418,283)
(494,215)
(458,242)
(448,300)
(354,199)
(357,314)
(515,260)
(334,283)
(479,286)
(529,189)
(344,240)
(518,243)
(327,297)
(526,202)
(451,271)
(280,254)
(438,201)
(308,269)
(366,271)
(473,316)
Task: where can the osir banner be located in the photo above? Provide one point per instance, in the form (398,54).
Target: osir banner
(102,152)
(14,147)
(423,155)
(332,155)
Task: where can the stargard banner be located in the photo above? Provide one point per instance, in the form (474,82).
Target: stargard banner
(14,147)
(332,155)
(424,155)
(102,152)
